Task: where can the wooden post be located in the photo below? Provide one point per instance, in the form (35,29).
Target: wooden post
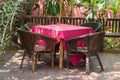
(61,54)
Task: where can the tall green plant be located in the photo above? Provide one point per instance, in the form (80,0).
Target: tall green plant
(52,7)
(9,10)
(72,4)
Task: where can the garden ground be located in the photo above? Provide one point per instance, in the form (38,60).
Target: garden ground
(10,70)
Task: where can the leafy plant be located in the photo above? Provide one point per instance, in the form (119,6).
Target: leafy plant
(114,6)
(28,6)
(52,7)
(72,5)
(9,11)
(111,43)
(91,8)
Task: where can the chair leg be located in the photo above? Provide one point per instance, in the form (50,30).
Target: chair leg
(24,54)
(38,57)
(87,64)
(34,61)
(67,61)
(30,55)
(55,54)
(52,62)
(102,69)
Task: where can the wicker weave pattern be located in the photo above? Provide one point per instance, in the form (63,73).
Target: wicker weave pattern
(28,41)
(92,44)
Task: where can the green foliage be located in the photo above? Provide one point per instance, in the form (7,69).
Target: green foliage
(72,4)
(114,6)
(111,43)
(28,5)
(9,11)
(91,7)
(52,7)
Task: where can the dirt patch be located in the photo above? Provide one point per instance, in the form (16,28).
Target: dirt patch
(5,57)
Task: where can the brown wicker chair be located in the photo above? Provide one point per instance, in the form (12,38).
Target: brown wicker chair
(73,49)
(95,40)
(92,42)
(29,40)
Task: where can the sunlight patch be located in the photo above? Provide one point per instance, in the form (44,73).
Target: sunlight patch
(5,70)
(116,65)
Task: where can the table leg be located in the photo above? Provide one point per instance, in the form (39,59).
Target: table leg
(61,54)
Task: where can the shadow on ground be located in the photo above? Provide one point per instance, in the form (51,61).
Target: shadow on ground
(10,69)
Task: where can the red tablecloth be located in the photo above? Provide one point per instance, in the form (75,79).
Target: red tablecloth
(63,31)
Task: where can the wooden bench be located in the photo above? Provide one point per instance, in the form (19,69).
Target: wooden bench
(113,26)
(112,35)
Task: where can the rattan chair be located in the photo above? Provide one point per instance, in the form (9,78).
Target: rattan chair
(95,25)
(29,45)
(95,40)
(91,48)
(73,49)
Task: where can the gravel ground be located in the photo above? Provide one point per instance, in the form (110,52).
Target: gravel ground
(10,70)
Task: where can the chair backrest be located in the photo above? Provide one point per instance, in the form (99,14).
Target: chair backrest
(92,42)
(27,39)
(95,40)
(95,25)
(72,44)
(28,26)
(48,41)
